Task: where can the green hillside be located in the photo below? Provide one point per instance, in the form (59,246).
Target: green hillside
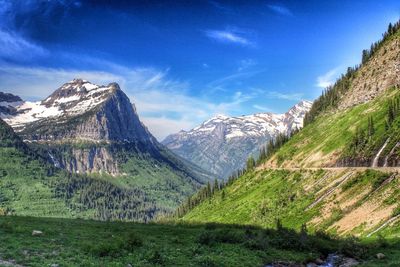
(325,200)
(29,186)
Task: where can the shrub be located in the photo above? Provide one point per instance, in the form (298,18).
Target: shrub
(156,258)
(133,241)
(104,249)
(206,238)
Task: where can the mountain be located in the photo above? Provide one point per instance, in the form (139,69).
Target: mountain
(222,144)
(95,130)
(31,186)
(314,178)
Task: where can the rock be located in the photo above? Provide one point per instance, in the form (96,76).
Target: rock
(54,265)
(380,256)
(348,262)
(37,233)
(129,265)
(319,261)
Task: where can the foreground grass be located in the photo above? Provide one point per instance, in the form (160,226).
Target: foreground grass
(91,243)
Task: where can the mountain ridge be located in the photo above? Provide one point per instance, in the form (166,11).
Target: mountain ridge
(222,144)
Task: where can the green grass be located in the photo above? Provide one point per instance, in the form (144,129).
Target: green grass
(90,243)
(262,197)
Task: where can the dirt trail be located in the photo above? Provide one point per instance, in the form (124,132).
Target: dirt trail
(382,169)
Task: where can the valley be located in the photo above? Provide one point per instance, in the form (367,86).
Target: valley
(193,144)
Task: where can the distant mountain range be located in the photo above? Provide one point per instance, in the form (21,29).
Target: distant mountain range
(222,144)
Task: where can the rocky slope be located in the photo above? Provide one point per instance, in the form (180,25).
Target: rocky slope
(222,144)
(380,72)
(86,128)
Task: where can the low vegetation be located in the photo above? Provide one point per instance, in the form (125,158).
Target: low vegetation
(89,243)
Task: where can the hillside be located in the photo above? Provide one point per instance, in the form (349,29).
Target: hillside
(321,176)
(341,201)
(30,186)
(222,144)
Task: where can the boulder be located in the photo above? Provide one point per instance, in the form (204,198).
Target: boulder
(380,256)
(37,233)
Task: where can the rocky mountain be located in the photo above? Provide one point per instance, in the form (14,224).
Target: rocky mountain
(92,129)
(222,144)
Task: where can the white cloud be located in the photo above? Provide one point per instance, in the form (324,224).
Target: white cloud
(280,10)
(37,83)
(286,96)
(228,37)
(14,46)
(328,78)
(246,63)
(262,108)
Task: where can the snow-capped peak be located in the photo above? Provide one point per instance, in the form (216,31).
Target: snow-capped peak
(71,99)
(257,125)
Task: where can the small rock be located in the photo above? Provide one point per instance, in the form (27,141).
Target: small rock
(54,265)
(380,256)
(37,233)
(348,262)
(129,265)
(319,261)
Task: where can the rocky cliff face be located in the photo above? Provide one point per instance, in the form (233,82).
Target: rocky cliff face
(222,144)
(9,104)
(380,73)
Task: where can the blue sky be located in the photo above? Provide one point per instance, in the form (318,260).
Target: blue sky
(182,62)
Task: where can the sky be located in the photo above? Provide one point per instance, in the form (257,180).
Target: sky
(182,62)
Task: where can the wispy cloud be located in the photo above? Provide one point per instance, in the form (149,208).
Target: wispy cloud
(280,10)
(285,96)
(14,46)
(246,63)
(262,108)
(226,36)
(328,78)
(221,7)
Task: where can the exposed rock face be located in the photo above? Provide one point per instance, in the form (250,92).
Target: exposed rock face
(222,144)
(381,72)
(8,104)
(93,159)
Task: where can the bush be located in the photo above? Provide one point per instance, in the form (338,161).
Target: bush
(7,227)
(114,247)
(206,262)
(106,249)
(206,238)
(133,241)
(156,258)
(225,235)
